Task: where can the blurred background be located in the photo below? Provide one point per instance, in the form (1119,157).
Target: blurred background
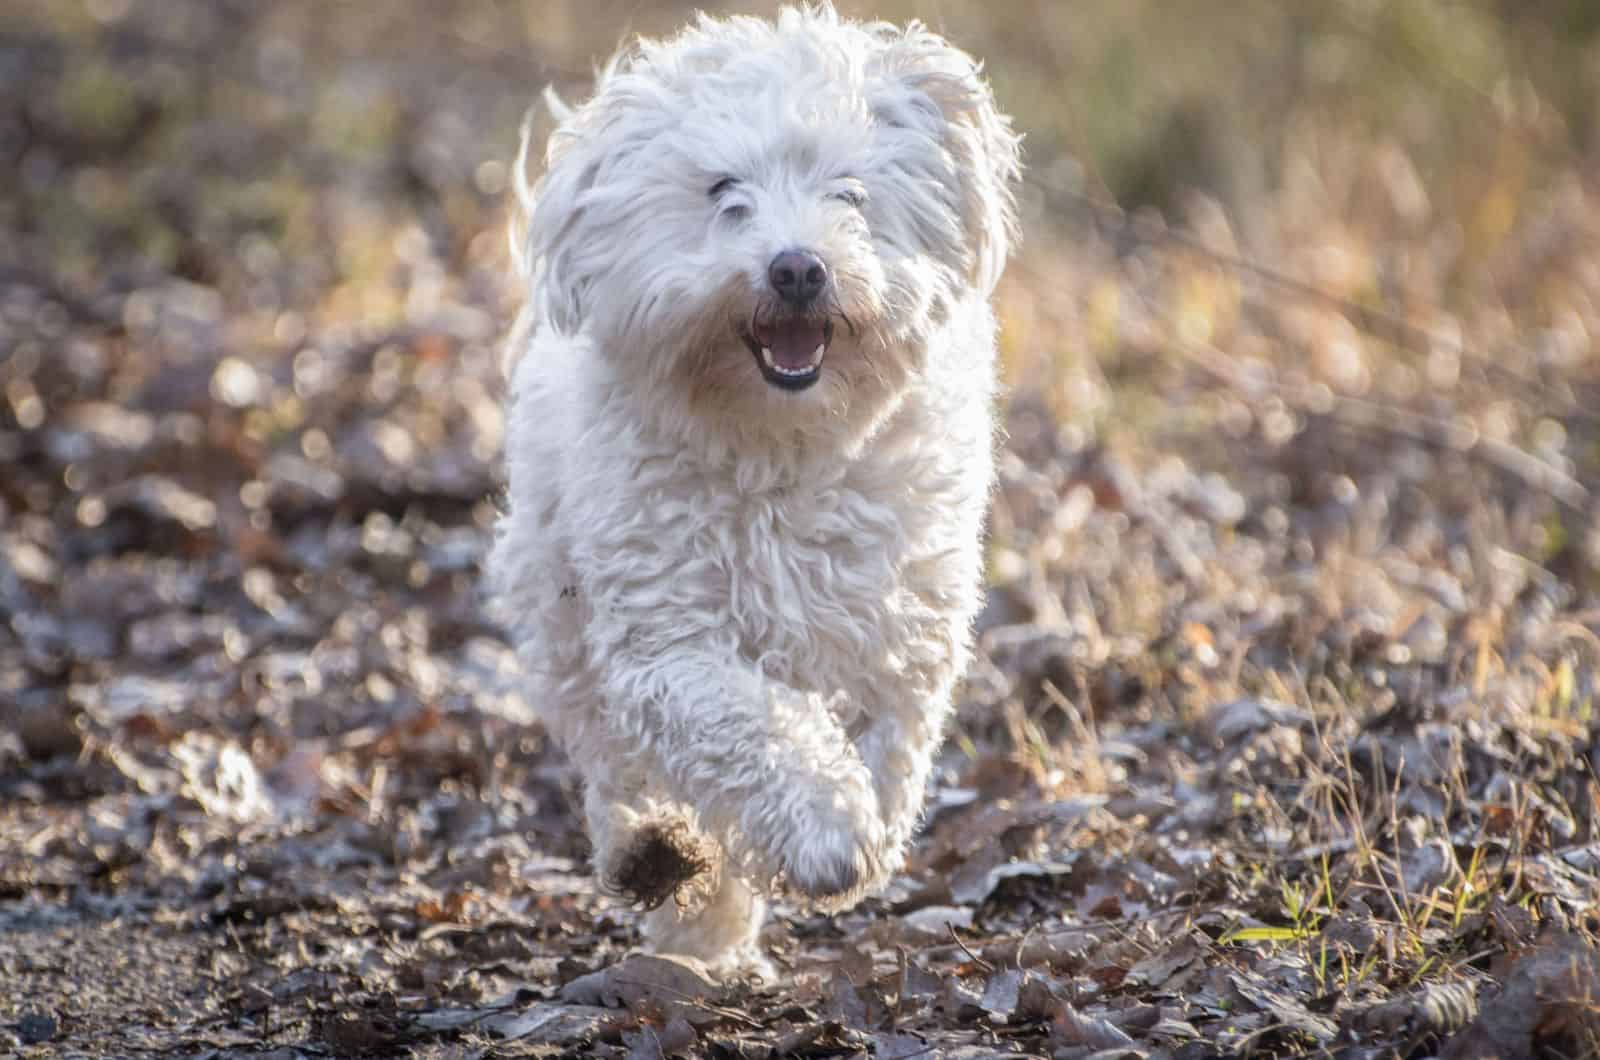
(1305,406)
(260,181)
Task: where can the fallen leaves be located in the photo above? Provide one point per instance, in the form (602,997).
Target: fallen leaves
(1280,738)
(1550,1001)
(677,985)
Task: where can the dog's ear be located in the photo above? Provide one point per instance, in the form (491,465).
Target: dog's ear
(549,212)
(921,85)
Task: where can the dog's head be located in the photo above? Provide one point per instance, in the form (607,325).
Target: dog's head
(766,222)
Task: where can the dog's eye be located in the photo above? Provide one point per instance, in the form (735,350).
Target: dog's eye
(722,185)
(853,197)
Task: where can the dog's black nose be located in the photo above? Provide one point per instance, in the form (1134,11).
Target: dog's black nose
(798,276)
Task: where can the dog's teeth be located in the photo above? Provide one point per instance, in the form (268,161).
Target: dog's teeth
(816,359)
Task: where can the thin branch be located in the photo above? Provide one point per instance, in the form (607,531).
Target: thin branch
(1386,325)
(979,961)
(1366,415)
(1441,434)
(685,998)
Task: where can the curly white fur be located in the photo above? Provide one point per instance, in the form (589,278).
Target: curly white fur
(739,606)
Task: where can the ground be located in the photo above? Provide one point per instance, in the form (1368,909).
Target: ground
(1282,740)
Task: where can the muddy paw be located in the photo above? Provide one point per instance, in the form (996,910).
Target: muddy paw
(656,863)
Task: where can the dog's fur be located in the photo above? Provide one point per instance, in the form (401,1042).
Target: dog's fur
(742,609)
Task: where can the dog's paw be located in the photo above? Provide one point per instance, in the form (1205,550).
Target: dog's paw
(659,861)
(832,861)
(747,965)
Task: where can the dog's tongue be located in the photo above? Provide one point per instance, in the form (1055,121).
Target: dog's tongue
(796,345)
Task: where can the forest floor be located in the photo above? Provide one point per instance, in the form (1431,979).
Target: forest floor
(1282,740)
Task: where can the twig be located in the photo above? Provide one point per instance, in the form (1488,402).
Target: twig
(1441,434)
(904,962)
(1022,944)
(689,999)
(979,961)
(1367,415)
(1387,325)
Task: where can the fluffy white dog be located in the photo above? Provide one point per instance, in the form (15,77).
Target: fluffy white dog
(750,446)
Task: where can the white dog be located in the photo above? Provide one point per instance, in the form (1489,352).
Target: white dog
(750,446)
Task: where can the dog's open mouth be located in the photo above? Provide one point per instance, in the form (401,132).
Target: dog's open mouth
(790,350)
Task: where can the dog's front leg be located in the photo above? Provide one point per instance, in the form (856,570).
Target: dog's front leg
(898,748)
(766,768)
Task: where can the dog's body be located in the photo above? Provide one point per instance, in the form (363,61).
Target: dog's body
(750,448)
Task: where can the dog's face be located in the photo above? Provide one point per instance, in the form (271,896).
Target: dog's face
(764,223)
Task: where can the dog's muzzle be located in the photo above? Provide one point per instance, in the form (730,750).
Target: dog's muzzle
(789,335)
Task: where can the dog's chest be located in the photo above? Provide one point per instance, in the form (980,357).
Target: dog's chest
(858,580)
(810,569)
(833,588)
